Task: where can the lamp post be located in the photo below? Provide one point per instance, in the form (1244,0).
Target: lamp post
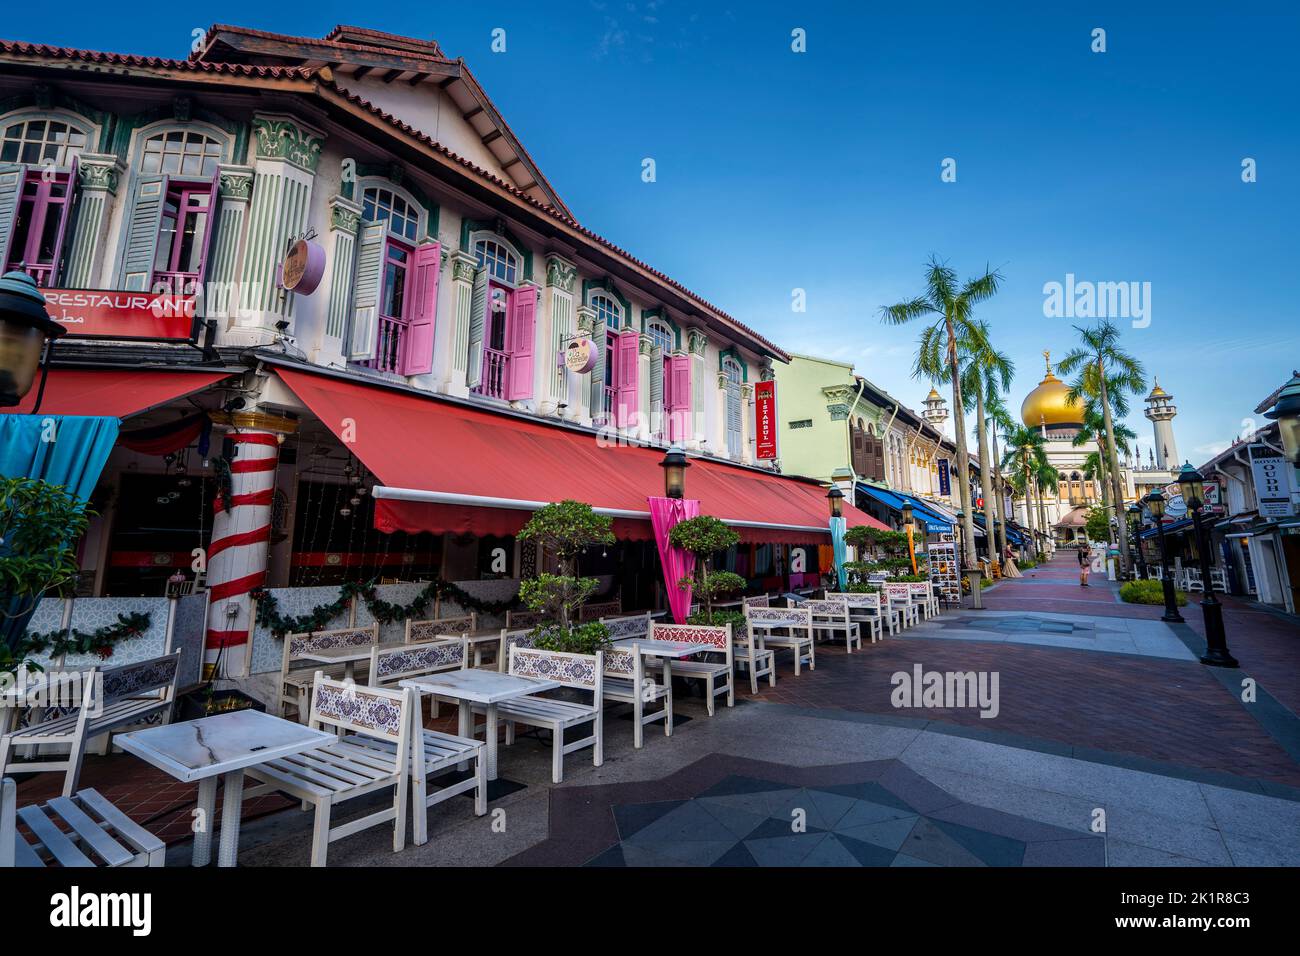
(1155,503)
(1139,562)
(1192,485)
(674,465)
(26,334)
(909,525)
(835,498)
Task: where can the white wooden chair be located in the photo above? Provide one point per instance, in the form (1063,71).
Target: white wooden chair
(433,752)
(719,676)
(374,752)
(622,628)
(1219,580)
(785,629)
(297,674)
(78,831)
(1192,580)
(509,639)
(922,594)
(864,609)
(584,672)
(418,632)
(110,700)
(757,660)
(627,682)
(598,609)
(831,617)
(758,600)
(523,620)
(900,600)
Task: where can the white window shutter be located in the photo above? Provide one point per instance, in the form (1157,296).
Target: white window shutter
(141,241)
(477,324)
(365,291)
(11,183)
(657,390)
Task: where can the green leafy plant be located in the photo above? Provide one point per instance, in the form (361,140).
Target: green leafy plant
(580,639)
(1148,592)
(1097,524)
(564,529)
(39,527)
(719,619)
(704,536)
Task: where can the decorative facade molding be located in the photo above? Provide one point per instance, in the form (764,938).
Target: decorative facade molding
(345,215)
(696,341)
(586,319)
(235,183)
(283,137)
(463,266)
(644,345)
(99,171)
(561,274)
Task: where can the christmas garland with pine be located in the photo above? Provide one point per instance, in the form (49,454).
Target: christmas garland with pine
(99,641)
(385,612)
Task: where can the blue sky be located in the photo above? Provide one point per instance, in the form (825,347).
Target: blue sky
(821,170)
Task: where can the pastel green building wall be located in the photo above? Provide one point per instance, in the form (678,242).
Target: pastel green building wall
(820,449)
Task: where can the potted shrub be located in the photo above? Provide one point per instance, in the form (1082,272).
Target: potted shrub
(565,529)
(704,536)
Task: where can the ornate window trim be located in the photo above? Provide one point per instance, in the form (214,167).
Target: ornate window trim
(136,151)
(487,235)
(420,210)
(87,127)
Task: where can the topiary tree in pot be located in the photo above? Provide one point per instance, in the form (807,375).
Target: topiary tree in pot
(565,529)
(704,536)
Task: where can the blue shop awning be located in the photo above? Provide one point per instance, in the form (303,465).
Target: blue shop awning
(932,522)
(1013,536)
(1172,526)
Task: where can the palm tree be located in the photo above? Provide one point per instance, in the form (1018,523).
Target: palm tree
(1024,458)
(1047,478)
(986,373)
(949,310)
(1109,372)
(1094,430)
(998,418)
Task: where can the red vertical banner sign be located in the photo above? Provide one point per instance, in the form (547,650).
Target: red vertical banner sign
(765,420)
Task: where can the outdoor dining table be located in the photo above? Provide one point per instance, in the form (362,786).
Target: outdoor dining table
(347,656)
(220,746)
(488,688)
(667,651)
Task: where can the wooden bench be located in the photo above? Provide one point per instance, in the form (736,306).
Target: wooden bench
(900,600)
(418,632)
(599,609)
(297,673)
(831,617)
(718,676)
(758,600)
(585,672)
(626,682)
(110,700)
(622,628)
(757,659)
(522,620)
(922,593)
(374,752)
(81,830)
(865,609)
(785,628)
(509,639)
(434,753)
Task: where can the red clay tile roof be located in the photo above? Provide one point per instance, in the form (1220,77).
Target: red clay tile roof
(330,43)
(155,62)
(288,72)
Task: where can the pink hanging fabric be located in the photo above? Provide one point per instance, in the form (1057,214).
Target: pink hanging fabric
(677,563)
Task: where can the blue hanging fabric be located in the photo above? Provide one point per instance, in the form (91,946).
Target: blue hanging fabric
(67,450)
(837,547)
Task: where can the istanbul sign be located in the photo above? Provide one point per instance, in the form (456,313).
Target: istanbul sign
(765,420)
(91,313)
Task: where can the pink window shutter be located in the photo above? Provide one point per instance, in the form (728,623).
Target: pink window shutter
(522,330)
(422,307)
(679,396)
(69,200)
(214,203)
(625,397)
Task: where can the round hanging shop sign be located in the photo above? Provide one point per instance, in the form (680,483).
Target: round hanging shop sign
(580,356)
(303,267)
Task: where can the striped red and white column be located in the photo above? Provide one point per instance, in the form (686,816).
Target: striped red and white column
(241,528)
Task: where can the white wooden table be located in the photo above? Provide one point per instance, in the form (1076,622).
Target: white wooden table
(220,746)
(347,656)
(488,688)
(666,651)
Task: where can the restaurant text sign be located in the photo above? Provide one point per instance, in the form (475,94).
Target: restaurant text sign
(92,313)
(765,420)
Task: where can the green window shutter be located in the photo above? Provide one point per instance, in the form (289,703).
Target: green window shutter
(11,184)
(657,390)
(598,373)
(365,291)
(477,323)
(140,244)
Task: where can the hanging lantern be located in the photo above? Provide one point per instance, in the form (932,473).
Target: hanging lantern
(25,328)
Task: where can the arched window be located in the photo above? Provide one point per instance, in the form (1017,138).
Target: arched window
(607,310)
(499,259)
(661,337)
(380,204)
(182,152)
(38,141)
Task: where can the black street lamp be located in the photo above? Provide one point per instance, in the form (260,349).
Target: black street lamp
(1155,503)
(25,330)
(836,499)
(1192,484)
(674,466)
(1286,412)
(1139,560)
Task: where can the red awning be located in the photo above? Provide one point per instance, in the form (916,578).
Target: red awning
(119,393)
(428,445)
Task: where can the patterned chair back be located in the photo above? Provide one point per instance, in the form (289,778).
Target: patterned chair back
(142,677)
(898,592)
(594,612)
(414,660)
(581,671)
(708,637)
(509,639)
(417,632)
(768,617)
(295,645)
(919,590)
(856,599)
(516,620)
(828,607)
(373,711)
(621,628)
(758,600)
(623,660)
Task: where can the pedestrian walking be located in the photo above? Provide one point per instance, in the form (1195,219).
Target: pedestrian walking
(1085,564)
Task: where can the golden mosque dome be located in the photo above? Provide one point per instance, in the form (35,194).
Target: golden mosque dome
(1047,403)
